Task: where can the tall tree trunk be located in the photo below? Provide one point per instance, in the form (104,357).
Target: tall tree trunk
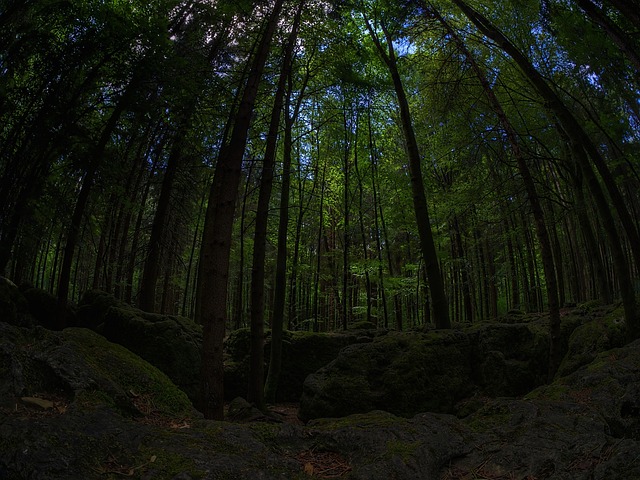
(218,229)
(363,231)
(256,366)
(279,296)
(316,282)
(346,303)
(376,219)
(151,270)
(436,286)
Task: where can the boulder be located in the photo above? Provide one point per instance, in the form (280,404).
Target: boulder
(93,307)
(604,332)
(170,343)
(402,373)
(81,367)
(509,359)
(45,309)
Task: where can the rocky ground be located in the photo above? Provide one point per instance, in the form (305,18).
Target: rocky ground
(75,405)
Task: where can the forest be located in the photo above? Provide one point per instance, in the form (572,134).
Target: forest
(318,164)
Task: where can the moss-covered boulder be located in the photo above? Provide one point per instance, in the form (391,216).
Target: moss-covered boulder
(604,332)
(402,373)
(170,343)
(93,307)
(509,359)
(45,309)
(79,366)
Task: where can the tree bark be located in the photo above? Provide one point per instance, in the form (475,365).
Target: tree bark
(257,388)
(436,286)
(279,296)
(218,227)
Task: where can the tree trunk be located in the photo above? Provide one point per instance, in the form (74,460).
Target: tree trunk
(279,297)
(430,257)
(218,227)
(151,270)
(256,367)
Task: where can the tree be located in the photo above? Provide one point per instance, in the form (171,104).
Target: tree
(216,239)
(429,254)
(582,148)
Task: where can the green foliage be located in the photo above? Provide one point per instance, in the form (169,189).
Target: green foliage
(170,74)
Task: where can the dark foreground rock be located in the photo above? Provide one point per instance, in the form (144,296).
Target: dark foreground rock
(104,413)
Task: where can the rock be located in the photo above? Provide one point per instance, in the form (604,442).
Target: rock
(44,307)
(170,343)
(595,336)
(509,359)
(383,446)
(402,373)
(581,427)
(78,365)
(93,308)
(407,373)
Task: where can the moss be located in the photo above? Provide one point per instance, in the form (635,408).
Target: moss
(362,325)
(489,417)
(374,419)
(555,391)
(130,372)
(595,336)
(265,432)
(167,464)
(402,449)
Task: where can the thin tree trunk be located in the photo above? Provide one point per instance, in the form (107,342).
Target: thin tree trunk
(346,234)
(256,365)
(218,227)
(316,283)
(279,297)
(429,254)
(376,219)
(363,235)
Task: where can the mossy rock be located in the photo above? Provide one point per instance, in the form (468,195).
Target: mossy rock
(44,307)
(14,308)
(592,338)
(170,343)
(93,308)
(403,373)
(81,367)
(127,374)
(509,359)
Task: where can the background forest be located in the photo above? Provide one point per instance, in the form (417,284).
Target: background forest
(322,163)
